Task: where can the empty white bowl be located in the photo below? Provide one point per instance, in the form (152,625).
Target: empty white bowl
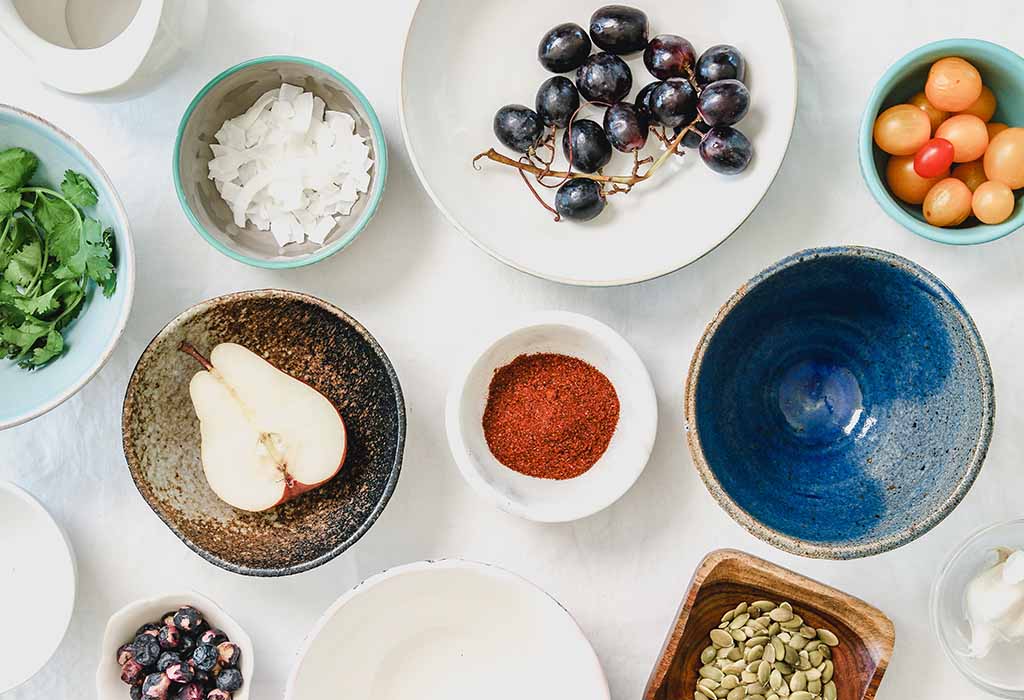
(548,500)
(447,630)
(37,585)
(122,626)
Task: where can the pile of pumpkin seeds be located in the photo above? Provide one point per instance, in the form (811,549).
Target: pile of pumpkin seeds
(764,651)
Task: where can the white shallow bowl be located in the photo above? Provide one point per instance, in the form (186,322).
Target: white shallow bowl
(447,630)
(122,626)
(37,585)
(549,500)
(464,59)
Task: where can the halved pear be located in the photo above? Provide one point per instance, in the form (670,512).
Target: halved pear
(266,436)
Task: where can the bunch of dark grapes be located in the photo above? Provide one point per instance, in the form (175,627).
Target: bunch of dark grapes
(694,103)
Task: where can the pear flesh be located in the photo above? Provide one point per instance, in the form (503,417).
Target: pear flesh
(266,436)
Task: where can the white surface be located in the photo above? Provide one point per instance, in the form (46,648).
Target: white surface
(37,579)
(448,630)
(448,116)
(122,625)
(425,292)
(547,500)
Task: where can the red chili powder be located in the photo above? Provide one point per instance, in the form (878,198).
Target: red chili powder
(550,416)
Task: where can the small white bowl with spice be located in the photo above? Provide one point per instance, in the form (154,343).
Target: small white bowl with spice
(552,418)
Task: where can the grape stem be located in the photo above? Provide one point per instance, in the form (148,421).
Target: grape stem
(628,180)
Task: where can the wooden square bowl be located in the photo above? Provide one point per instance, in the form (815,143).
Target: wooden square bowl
(727,578)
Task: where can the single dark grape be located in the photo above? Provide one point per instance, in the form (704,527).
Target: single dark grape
(604,78)
(626,127)
(669,56)
(723,103)
(720,62)
(674,102)
(694,135)
(564,48)
(579,199)
(619,29)
(518,127)
(726,150)
(590,148)
(557,101)
(643,101)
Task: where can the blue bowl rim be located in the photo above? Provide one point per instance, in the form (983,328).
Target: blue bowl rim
(981,233)
(835,550)
(380,165)
(126,263)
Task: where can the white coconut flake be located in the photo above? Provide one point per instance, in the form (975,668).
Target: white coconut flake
(290,166)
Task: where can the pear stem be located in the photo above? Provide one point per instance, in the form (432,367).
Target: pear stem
(190,350)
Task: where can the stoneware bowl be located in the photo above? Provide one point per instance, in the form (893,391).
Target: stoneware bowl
(38,581)
(449,96)
(312,341)
(92,337)
(230,94)
(1001,69)
(450,629)
(840,404)
(727,578)
(548,500)
(122,626)
(999,672)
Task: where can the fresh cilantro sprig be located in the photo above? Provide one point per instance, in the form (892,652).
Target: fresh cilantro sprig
(50,254)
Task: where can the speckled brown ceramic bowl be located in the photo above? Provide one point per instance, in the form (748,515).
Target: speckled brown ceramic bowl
(311,340)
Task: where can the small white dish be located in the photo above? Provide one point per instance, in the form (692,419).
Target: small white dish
(37,583)
(122,626)
(548,500)
(464,59)
(447,630)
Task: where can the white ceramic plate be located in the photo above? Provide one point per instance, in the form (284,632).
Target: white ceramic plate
(447,630)
(37,585)
(548,500)
(122,625)
(466,58)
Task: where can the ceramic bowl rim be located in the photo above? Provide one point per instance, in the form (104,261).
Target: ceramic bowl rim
(836,550)
(417,567)
(468,468)
(35,504)
(380,166)
(126,263)
(396,468)
(461,228)
(242,639)
(973,235)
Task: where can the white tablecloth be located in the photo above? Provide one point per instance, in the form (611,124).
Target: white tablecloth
(423,290)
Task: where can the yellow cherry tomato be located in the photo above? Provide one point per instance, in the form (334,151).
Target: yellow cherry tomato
(1004,159)
(993,203)
(971,174)
(984,107)
(948,203)
(995,128)
(968,135)
(902,130)
(904,182)
(953,84)
(935,116)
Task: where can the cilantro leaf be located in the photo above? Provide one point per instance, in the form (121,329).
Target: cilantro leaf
(92,258)
(9,202)
(38,305)
(24,336)
(24,264)
(17,166)
(78,190)
(54,347)
(61,223)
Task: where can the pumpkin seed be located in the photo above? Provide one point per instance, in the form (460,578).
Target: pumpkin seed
(798,642)
(748,677)
(754,689)
(730,682)
(781,614)
(816,658)
(775,679)
(764,671)
(739,635)
(728,616)
(737,693)
(712,673)
(758,641)
(809,632)
(721,693)
(801,695)
(763,605)
(708,683)
(780,649)
(708,655)
(829,691)
(772,696)
(739,621)
(755,696)
(814,675)
(735,654)
(754,653)
(828,637)
(826,675)
(721,638)
(699,695)
(702,690)
(769,654)
(814,687)
(798,681)
(741,608)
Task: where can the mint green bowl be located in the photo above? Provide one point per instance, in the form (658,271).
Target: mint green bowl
(230,94)
(1001,69)
(91,338)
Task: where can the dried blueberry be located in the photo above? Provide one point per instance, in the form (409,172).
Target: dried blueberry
(188,619)
(229,653)
(201,677)
(146,649)
(180,673)
(205,657)
(166,659)
(187,646)
(148,628)
(132,672)
(218,694)
(230,680)
(192,691)
(135,692)
(156,686)
(213,637)
(124,653)
(169,637)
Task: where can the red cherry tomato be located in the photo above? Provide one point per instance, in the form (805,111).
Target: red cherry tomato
(934,158)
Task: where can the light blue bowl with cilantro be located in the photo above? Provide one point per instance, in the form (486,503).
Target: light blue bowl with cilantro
(67,267)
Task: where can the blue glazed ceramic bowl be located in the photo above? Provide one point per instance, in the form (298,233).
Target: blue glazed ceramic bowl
(91,338)
(230,94)
(841,403)
(1001,69)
